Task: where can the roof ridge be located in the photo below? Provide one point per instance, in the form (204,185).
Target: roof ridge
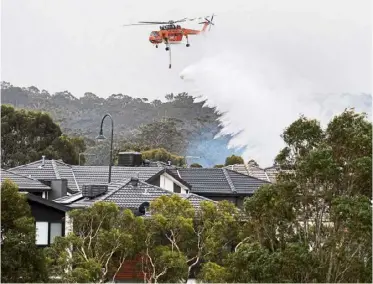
(20,166)
(16,174)
(55,169)
(266,175)
(250,176)
(230,182)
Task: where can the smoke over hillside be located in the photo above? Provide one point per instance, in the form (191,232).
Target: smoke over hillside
(263,81)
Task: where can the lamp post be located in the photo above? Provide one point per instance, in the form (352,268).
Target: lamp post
(101,137)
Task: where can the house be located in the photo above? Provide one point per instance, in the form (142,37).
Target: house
(130,193)
(220,184)
(215,184)
(50,217)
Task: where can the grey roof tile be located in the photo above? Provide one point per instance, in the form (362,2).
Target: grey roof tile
(52,169)
(24,183)
(36,170)
(100,174)
(125,195)
(216,181)
(204,180)
(245,184)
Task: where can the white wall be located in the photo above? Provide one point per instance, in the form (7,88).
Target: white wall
(167,182)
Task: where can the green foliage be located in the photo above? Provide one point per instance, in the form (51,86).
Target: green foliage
(233,160)
(213,273)
(195,165)
(162,134)
(103,238)
(163,155)
(27,135)
(218,166)
(21,260)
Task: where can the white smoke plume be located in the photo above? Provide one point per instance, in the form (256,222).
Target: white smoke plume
(264,80)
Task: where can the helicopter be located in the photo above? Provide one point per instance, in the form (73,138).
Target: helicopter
(171,32)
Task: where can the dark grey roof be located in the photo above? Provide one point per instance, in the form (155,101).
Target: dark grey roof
(125,195)
(51,170)
(78,175)
(24,183)
(47,202)
(100,174)
(174,174)
(219,181)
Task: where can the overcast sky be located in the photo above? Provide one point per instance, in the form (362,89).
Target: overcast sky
(81,45)
(263,63)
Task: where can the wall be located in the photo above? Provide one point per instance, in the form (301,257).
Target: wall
(167,183)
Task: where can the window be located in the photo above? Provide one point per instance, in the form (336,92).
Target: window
(56,231)
(46,232)
(177,189)
(42,233)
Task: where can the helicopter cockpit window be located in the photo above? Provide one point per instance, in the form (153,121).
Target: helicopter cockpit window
(154,34)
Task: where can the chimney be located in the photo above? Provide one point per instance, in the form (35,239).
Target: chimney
(59,189)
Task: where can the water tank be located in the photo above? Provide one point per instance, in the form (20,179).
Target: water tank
(129,159)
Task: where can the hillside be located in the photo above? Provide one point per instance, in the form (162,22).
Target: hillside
(82,117)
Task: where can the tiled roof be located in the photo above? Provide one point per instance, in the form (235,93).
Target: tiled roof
(78,175)
(219,181)
(51,170)
(267,174)
(125,195)
(100,174)
(24,183)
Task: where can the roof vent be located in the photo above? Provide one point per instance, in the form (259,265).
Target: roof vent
(146,163)
(134,181)
(168,163)
(94,190)
(42,162)
(129,159)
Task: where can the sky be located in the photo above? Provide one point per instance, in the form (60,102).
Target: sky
(263,63)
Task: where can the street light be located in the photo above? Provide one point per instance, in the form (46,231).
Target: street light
(101,137)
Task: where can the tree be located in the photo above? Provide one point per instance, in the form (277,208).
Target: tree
(163,156)
(27,135)
(195,165)
(161,134)
(315,223)
(103,238)
(179,237)
(233,160)
(21,259)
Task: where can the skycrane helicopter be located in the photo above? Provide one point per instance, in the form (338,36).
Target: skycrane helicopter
(172,33)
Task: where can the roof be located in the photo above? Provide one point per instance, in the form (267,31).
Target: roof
(24,183)
(219,181)
(51,170)
(100,174)
(267,174)
(126,195)
(174,174)
(76,176)
(47,202)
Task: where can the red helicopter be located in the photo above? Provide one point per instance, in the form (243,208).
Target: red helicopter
(171,33)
